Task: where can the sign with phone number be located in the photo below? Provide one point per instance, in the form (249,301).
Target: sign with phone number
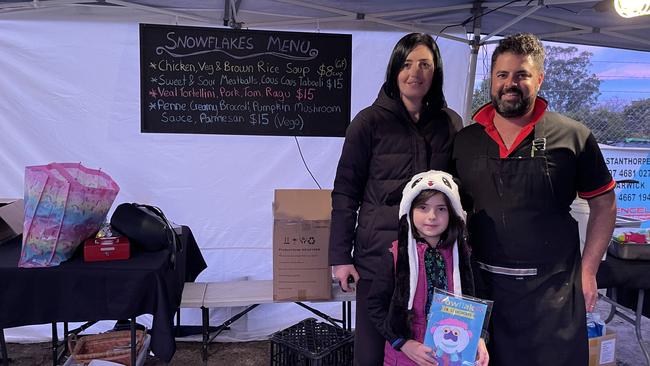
(630,167)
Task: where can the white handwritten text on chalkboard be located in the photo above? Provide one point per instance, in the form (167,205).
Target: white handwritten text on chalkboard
(204,80)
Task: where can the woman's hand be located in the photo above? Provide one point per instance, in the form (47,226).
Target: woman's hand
(342,272)
(419,353)
(482,356)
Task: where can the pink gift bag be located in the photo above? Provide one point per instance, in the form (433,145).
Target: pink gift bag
(65,203)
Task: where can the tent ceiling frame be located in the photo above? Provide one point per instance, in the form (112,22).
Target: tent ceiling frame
(153,9)
(549,20)
(282,23)
(629,27)
(517,19)
(34,5)
(439,9)
(344,15)
(231,16)
(319,7)
(624,36)
(378,17)
(596,30)
(580,28)
(230,11)
(567,33)
(414,28)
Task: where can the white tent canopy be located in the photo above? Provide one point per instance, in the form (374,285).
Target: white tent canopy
(572,21)
(70,82)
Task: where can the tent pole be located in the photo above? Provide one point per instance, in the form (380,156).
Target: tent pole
(475,43)
(467,118)
(226,13)
(521,16)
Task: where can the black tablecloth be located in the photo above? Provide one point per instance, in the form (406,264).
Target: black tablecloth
(76,291)
(623,273)
(627,277)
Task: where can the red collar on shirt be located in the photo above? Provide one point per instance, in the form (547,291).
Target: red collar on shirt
(485,117)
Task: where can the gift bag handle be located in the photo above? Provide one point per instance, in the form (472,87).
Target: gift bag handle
(30,209)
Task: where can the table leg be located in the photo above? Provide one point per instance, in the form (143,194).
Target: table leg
(234,318)
(349,305)
(346,318)
(65,336)
(55,345)
(636,321)
(637,324)
(178,322)
(205,321)
(133,342)
(612,309)
(3,345)
(326,317)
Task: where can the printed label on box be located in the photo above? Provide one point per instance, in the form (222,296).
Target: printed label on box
(607,351)
(301,227)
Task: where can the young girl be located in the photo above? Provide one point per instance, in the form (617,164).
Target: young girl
(431,252)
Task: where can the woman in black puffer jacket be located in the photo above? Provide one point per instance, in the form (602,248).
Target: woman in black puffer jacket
(407,130)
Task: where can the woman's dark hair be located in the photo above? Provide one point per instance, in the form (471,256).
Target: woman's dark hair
(456,227)
(435,98)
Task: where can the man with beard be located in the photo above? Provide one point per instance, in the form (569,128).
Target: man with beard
(520,167)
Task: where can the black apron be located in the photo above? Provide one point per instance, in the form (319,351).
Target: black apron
(527,249)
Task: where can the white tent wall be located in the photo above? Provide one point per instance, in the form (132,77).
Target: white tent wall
(70,92)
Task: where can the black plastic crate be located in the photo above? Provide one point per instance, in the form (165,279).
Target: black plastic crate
(312,343)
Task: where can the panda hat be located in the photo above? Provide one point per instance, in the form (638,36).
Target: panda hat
(444,183)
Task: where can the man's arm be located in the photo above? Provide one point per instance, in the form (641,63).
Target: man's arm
(602,217)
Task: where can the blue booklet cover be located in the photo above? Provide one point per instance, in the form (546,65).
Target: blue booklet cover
(454,328)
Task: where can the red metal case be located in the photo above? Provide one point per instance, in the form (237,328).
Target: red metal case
(106,249)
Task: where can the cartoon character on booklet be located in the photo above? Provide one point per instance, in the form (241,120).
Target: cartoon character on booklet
(450,338)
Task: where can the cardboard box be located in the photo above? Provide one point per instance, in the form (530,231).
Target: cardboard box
(301,228)
(602,350)
(12,215)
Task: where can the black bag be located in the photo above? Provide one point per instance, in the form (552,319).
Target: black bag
(146,227)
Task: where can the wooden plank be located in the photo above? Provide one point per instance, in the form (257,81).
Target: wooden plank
(193,293)
(238,293)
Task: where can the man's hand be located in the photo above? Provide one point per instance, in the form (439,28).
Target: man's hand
(342,272)
(418,353)
(482,356)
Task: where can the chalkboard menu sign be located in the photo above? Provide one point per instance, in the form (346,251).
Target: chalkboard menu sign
(225,81)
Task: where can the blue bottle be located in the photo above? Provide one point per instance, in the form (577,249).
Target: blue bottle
(595,325)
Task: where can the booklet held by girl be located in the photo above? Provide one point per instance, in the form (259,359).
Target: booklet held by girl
(454,327)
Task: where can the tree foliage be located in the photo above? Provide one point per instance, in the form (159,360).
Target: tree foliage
(637,118)
(605,123)
(481,95)
(568,86)
(572,90)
